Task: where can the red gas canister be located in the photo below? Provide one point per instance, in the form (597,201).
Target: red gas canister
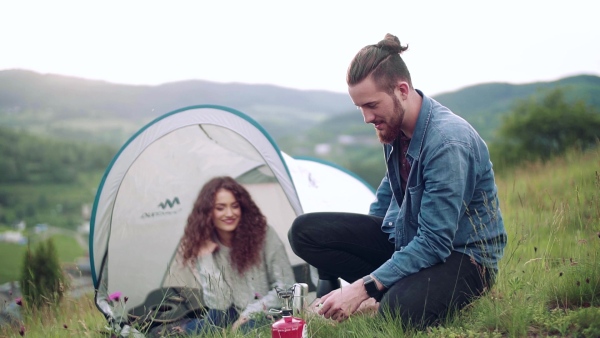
(288,326)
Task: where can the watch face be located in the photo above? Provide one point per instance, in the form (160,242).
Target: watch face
(370,286)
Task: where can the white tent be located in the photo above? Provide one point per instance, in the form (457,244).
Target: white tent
(148,190)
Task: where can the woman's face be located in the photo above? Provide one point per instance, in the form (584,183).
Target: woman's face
(226,213)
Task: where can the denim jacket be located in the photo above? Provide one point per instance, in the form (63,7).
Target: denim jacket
(451,201)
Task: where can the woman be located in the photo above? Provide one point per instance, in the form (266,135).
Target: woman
(237,258)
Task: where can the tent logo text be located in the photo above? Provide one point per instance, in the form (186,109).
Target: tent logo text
(169,203)
(167,209)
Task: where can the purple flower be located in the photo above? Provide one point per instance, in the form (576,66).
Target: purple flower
(19,301)
(115,296)
(257,295)
(22,331)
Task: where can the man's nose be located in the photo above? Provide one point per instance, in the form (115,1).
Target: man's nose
(368,117)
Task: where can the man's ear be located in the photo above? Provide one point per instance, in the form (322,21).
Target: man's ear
(403,89)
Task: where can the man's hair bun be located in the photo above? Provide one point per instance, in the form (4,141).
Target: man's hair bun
(391,44)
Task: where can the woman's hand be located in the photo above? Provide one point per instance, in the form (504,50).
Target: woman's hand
(236,325)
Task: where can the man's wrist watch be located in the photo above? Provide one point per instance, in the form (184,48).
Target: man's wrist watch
(371,287)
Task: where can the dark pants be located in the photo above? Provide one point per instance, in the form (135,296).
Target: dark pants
(216,319)
(351,246)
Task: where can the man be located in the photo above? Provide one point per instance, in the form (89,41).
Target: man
(434,235)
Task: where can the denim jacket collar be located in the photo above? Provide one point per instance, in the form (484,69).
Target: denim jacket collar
(416,141)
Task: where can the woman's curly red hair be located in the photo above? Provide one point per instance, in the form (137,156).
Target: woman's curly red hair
(248,238)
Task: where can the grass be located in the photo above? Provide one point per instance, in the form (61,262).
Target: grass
(548,284)
(74,318)
(10,261)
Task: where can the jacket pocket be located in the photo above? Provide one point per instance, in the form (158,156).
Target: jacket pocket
(413,202)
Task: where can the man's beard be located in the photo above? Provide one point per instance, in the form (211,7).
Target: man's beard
(394,124)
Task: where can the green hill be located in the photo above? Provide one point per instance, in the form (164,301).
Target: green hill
(98,111)
(484,105)
(300,121)
(48,180)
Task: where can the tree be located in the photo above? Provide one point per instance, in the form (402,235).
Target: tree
(542,129)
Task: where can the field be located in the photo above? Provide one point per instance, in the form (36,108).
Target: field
(548,285)
(11,255)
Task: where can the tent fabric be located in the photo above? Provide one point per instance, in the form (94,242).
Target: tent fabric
(148,190)
(323,186)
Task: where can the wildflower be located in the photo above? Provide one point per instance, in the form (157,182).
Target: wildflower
(22,330)
(587,280)
(19,301)
(65,326)
(125,299)
(578,283)
(115,296)
(257,295)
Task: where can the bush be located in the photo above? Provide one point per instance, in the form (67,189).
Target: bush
(42,279)
(538,130)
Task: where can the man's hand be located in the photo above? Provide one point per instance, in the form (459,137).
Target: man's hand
(341,303)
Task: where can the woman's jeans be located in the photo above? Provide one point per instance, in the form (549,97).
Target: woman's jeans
(218,319)
(351,246)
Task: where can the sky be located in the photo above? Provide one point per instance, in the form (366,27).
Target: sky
(304,45)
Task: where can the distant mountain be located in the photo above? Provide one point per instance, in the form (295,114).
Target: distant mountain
(99,111)
(60,105)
